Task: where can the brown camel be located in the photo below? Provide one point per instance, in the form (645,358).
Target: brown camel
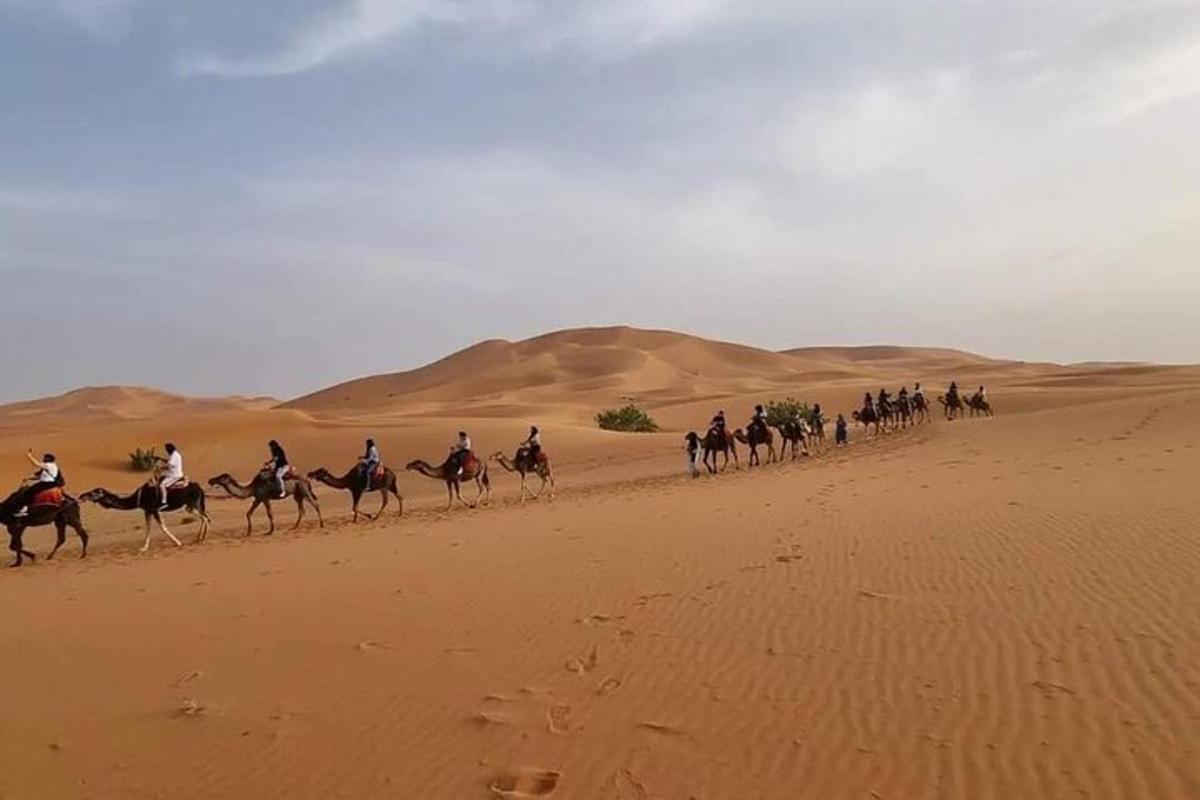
(383,481)
(263,490)
(473,470)
(920,409)
(754,438)
(188,497)
(791,434)
(520,465)
(61,516)
(715,443)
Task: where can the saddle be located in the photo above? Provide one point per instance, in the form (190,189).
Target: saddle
(182,483)
(523,453)
(51,498)
(469,462)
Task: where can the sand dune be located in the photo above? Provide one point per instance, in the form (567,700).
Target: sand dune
(1000,608)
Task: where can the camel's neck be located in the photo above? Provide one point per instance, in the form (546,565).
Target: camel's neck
(236,489)
(503,461)
(110,500)
(329,479)
(439,473)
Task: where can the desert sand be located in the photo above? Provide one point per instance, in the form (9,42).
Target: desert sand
(990,608)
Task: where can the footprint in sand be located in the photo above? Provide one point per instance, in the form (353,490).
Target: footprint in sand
(581,665)
(524,783)
(627,788)
(608,685)
(557,718)
(660,728)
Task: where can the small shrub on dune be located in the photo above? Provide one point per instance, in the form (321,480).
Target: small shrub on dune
(629,419)
(780,412)
(142,460)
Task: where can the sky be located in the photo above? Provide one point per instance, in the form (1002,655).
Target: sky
(215,196)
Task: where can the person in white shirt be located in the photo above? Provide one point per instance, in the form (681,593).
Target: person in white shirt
(172,472)
(369,462)
(44,477)
(458,453)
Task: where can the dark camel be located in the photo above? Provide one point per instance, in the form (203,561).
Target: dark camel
(952,406)
(978,406)
(867,417)
(521,465)
(754,438)
(148,499)
(903,411)
(60,516)
(716,443)
(474,469)
(791,434)
(263,490)
(384,482)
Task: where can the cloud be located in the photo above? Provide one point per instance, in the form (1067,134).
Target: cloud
(102,19)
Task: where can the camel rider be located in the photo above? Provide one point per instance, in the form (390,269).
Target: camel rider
(885,399)
(718,422)
(369,461)
(799,421)
(172,472)
(45,477)
(279,466)
(818,418)
(458,452)
(903,393)
(868,402)
(533,445)
(918,395)
(952,392)
(982,394)
(759,420)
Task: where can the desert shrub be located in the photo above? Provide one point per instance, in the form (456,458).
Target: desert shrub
(629,419)
(781,411)
(143,460)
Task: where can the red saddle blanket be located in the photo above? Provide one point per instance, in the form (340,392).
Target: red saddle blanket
(470,463)
(49,497)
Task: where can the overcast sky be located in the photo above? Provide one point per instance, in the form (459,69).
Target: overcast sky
(216,196)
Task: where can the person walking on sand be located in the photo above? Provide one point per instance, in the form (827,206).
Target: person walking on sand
(692,446)
(843,432)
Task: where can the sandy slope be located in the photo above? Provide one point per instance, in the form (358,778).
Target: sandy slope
(986,609)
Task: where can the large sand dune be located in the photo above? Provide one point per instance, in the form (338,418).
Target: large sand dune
(1001,608)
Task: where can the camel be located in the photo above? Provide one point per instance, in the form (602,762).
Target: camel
(65,514)
(473,469)
(920,409)
(867,417)
(188,497)
(715,443)
(979,406)
(520,465)
(791,433)
(952,406)
(383,481)
(755,437)
(263,490)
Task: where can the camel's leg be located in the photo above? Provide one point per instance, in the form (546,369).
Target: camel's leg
(523,487)
(83,538)
(15,544)
(354,498)
(249,513)
(146,543)
(60,530)
(479,493)
(383,505)
(163,527)
(312,499)
(399,501)
(449,495)
(299,508)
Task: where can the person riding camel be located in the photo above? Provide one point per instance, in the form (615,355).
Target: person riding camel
(278,466)
(918,395)
(868,402)
(369,461)
(952,393)
(718,425)
(982,394)
(903,395)
(46,476)
(172,472)
(459,451)
(759,420)
(533,444)
(817,417)
(885,400)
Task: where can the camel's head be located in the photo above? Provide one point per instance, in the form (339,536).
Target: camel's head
(221,479)
(414,465)
(93,496)
(320,473)
(496,456)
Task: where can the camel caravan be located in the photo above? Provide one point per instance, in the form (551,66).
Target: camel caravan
(799,431)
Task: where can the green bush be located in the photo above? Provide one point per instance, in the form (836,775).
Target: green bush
(629,419)
(782,411)
(143,460)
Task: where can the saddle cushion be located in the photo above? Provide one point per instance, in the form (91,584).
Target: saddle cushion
(469,462)
(49,497)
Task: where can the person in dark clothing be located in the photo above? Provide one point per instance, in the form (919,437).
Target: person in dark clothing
(278,465)
(533,445)
(692,446)
(842,431)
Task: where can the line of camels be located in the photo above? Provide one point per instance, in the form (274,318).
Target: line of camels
(262,490)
